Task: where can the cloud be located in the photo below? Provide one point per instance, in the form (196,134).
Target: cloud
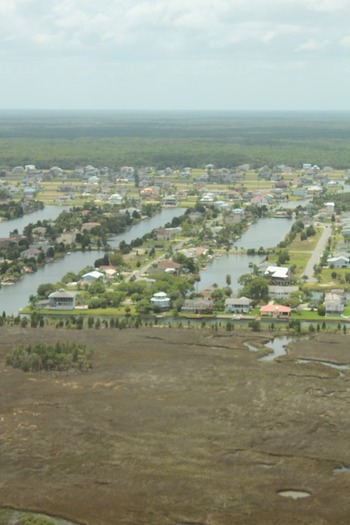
(172,26)
(134,42)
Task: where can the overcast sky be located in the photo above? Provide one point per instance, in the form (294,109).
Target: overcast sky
(175,54)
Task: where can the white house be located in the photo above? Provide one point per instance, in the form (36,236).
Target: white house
(340,261)
(277,274)
(161,301)
(240,305)
(333,303)
(116,198)
(91,277)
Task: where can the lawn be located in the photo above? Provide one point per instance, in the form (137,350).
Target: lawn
(336,277)
(308,245)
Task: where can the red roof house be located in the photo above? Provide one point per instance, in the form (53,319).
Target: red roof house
(276,310)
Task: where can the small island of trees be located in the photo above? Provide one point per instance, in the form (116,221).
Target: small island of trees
(59,357)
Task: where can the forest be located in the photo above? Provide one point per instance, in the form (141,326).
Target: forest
(176,139)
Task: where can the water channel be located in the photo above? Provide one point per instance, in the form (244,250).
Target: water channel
(265,233)
(15,297)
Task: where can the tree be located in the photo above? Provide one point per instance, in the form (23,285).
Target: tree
(257,289)
(321,310)
(228,279)
(283,257)
(45,289)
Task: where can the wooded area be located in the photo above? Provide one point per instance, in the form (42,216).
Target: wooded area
(176,139)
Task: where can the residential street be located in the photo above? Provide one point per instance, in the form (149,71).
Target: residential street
(315,257)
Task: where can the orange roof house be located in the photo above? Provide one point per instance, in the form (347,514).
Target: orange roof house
(276,310)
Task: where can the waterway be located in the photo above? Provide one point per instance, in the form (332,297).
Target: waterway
(16,296)
(48,213)
(265,233)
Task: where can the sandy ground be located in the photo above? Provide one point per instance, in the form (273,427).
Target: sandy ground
(178,426)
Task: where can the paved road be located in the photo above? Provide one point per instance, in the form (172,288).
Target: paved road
(315,257)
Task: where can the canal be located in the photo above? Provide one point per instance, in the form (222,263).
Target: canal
(265,233)
(16,296)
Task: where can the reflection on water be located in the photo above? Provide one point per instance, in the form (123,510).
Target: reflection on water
(278,347)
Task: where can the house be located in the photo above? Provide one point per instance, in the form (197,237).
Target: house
(338,261)
(300,192)
(281,292)
(259,200)
(333,303)
(161,234)
(276,310)
(91,277)
(31,253)
(207,197)
(116,198)
(279,275)
(170,267)
(150,193)
(88,226)
(197,306)
(170,200)
(29,192)
(62,300)
(109,271)
(240,305)
(39,232)
(160,301)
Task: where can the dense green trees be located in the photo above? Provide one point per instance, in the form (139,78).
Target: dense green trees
(256,288)
(161,140)
(59,356)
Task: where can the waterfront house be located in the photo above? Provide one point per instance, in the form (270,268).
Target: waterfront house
(31,253)
(161,234)
(276,310)
(170,200)
(197,306)
(62,300)
(160,301)
(91,277)
(279,275)
(281,292)
(240,305)
(333,303)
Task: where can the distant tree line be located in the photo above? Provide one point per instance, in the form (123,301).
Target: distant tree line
(176,141)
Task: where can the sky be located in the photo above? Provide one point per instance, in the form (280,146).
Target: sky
(175,54)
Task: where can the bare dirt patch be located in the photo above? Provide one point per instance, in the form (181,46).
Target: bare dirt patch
(175,426)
